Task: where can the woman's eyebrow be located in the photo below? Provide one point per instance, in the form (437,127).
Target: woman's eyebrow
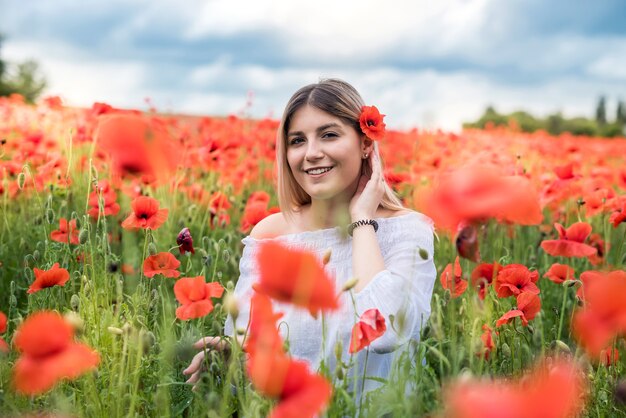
(319,130)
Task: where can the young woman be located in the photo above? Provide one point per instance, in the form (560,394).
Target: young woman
(329,176)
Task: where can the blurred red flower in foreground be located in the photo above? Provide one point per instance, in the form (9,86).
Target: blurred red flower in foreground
(48,353)
(619,215)
(528,306)
(47,278)
(570,242)
(146,214)
(4,347)
(452,280)
(195,295)
(558,273)
(483,275)
(274,374)
(185,241)
(603,315)
(161,263)
(515,279)
(295,276)
(551,390)
(475,194)
(369,327)
(67,232)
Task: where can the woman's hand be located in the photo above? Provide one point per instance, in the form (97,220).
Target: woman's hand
(370,190)
(196,367)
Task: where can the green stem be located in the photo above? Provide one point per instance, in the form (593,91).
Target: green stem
(367,352)
(561,315)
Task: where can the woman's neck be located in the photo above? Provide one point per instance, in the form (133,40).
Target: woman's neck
(322,214)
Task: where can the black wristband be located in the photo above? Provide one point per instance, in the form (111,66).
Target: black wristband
(361,223)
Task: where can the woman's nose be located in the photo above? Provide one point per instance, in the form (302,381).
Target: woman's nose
(313,150)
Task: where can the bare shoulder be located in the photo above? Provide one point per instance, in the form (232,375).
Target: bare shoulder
(270,227)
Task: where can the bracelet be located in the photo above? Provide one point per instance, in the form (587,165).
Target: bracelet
(361,223)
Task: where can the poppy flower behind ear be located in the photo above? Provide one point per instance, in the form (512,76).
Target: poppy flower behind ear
(48,353)
(570,242)
(371,122)
(296,276)
(162,263)
(195,295)
(370,326)
(47,278)
(67,232)
(146,214)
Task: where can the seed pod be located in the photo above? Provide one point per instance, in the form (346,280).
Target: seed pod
(423,253)
(75,302)
(21,179)
(339,373)
(83,236)
(152,249)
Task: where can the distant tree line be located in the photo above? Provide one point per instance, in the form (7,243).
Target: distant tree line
(23,78)
(556,124)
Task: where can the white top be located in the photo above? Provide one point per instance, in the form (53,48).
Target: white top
(406,283)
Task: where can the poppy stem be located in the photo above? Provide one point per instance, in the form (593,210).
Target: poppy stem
(367,352)
(618,262)
(561,315)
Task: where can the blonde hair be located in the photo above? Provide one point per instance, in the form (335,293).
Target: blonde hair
(339,99)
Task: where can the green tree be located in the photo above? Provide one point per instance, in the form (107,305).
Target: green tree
(24,78)
(601,111)
(620,117)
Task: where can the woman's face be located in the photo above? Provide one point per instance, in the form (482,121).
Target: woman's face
(317,139)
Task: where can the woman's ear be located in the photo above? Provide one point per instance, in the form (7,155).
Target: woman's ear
(367,145)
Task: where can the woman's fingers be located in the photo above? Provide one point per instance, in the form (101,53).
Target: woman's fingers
(196,364)
(216,343)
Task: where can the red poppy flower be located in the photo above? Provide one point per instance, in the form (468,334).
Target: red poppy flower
(146,214)
(474,194)
(103,191)
(161,263)
(596,241)
(371,122)
(619,215)
(515,279)
(219,202)
(48,353)
(603,315)
(67,232)
(559,273)
(300,392)
(296,276)
(370,326)
(483,275)
(549,390)
(47,278)
(256,210)
(609,356)
(487,339)
(570,242)
(195,296)
(452,279)
(528,306)
(4,347)
(185,241)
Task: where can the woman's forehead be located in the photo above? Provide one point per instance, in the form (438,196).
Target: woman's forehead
(309,118)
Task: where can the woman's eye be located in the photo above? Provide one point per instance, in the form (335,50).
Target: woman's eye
(295,141)
(329,135)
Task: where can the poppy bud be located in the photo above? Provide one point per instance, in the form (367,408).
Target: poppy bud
(225,256)
(21,179)
(115,330)
(339,373)
(83,236)
(506,350)
(36,255)
(571,283)
(50,216)
(327,255)
(185,241)
(148,340)
(75,302)
(230,305)
(350,284)
(12,301)
(338,350)
(74,320)
(423,253)
(152,249)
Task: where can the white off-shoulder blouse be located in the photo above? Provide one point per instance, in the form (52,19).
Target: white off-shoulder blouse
(406,285)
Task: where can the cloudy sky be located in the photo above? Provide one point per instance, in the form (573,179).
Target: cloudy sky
(423,63)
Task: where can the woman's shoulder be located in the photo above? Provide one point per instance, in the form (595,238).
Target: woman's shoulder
(271,226)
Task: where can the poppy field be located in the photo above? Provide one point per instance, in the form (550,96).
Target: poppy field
(120,241)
